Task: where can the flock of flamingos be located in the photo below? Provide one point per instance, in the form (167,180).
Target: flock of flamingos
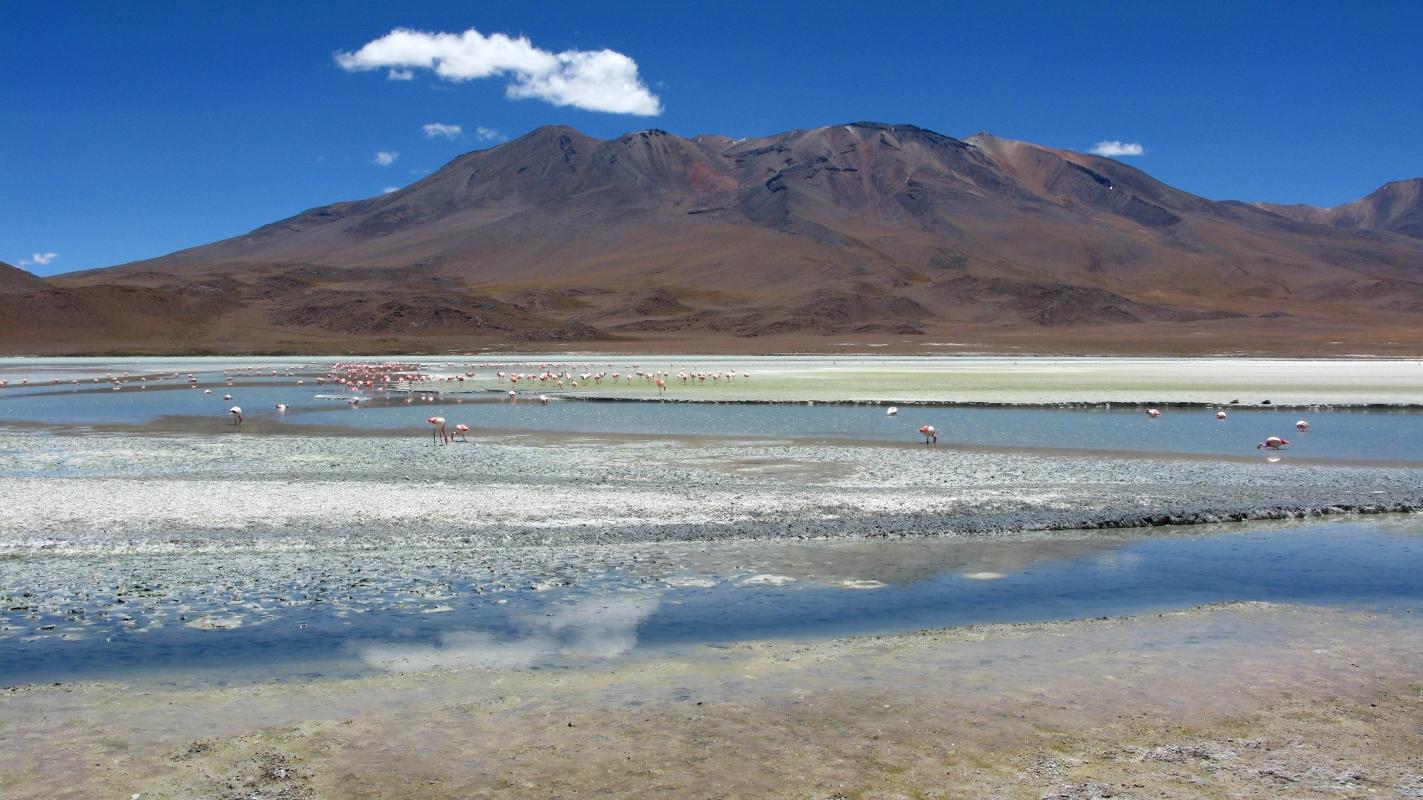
(364,376)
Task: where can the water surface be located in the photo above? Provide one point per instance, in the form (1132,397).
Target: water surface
(358,613)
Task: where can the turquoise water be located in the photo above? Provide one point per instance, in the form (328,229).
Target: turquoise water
(1353,434)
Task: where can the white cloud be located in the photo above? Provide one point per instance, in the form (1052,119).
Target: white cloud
(484,134)
(1114,148)
(39,259)
(400,75)
(385,158)
(593,80)
(439,129)
(389,189)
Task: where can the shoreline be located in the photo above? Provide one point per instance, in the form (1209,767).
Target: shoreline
(1241,699)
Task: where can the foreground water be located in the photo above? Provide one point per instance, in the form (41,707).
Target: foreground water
(333,614)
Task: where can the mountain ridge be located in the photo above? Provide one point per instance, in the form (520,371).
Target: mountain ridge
(14,279)
(874,231)
(1395,207)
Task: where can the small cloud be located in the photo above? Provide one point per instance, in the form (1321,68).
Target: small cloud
(400,75)
(440,130)
(593,80)
(1114,148)
(389,189)
(484,134)
(385,158)
(39,259)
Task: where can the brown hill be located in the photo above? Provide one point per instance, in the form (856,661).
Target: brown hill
(14,279)
(862,233)
(1396,207)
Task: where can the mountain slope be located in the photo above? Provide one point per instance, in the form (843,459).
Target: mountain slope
(1395,207)
(14,279)
(875,232)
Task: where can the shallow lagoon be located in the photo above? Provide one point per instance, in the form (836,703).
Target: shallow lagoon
(333,615)
(237,614)
(1376,434)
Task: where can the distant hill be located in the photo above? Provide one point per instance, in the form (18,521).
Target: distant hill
(14,279)
(1396,207)
(825,239)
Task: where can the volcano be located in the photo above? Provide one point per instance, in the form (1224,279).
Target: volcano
(846,236)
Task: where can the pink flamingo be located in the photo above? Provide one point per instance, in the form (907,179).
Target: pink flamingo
(236,412)
(438,431)
(931,436)
(1220,415)
(1153,413)
(1301,426)
(460,431)
(1272,443)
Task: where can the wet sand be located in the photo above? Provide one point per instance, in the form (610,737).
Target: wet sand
(1245,700)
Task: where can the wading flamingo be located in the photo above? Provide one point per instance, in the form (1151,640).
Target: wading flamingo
(1272,443)
(1220,415)
(543,399)
(931,436)
(1301,426)
(891,411)
(460,431)
(236,412)
(438,431)
(1153,413)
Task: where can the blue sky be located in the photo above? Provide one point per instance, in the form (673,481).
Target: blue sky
(130,130)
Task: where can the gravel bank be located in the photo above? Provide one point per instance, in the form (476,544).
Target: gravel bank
(105,494)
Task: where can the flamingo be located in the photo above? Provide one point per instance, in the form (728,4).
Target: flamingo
(931,436)
(282,407)
(1220,415)
(1301,426)
(1272,443)
(236,412)
(438,430)
(513,396)
(891,411)
(1153,413)
(460,431)
(227,397)
(543,399)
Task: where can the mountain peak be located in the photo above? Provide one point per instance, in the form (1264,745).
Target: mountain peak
(862,229)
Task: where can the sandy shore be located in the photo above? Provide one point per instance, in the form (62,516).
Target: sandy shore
(1253,701)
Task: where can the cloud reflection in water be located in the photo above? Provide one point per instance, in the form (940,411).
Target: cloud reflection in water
(592,629)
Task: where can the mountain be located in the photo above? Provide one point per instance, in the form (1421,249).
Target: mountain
(1396,207)
(14,279)
(841,236)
